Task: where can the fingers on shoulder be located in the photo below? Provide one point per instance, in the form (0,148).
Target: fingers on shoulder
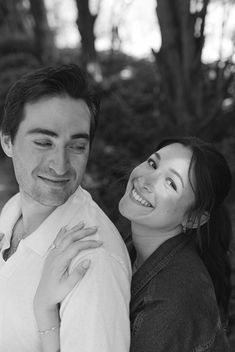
(78,272)
(76,247)
(66,236)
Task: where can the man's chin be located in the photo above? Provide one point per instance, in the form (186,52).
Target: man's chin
(54,200)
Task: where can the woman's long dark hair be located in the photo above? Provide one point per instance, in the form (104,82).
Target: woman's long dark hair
(212,182)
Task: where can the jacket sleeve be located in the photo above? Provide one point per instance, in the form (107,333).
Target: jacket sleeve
(154,329)
(166,326)
(95,315)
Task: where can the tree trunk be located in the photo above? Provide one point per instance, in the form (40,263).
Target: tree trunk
(179,61)
(85,22)
(12,18)
(17,50)
(44,39)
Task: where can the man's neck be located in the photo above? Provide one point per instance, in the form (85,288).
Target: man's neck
(33,213)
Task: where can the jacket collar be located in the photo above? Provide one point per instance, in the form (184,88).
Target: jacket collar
(158,260)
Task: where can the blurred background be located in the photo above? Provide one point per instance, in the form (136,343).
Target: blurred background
(162,68)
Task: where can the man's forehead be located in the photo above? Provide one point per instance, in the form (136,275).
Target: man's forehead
(56,115)
(56,102)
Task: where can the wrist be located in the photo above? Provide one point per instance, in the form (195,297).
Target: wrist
(41,303)
(48,331)
(46,316)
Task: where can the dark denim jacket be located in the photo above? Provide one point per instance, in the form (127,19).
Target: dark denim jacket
(173,306)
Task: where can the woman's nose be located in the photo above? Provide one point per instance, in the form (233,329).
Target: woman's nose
(146,183)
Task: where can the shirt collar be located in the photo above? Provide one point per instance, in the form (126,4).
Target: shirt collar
(11,212)
(42,238)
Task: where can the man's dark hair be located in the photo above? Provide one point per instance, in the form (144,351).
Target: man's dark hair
(65,80)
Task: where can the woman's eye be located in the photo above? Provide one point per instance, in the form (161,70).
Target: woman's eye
(171,183)
(152,163)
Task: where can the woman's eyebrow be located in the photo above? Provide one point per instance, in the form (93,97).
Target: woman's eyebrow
(157,155)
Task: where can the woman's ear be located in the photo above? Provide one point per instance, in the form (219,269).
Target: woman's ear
(194,222)
(204,218)
(6,144)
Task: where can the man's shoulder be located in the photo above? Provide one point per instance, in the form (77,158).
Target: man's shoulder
(96,214)
(12,202)
(113,243)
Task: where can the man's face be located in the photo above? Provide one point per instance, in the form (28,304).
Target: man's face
(51,149)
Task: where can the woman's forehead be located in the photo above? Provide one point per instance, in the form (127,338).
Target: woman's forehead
(175,152)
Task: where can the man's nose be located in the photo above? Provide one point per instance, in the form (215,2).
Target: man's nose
(59,161)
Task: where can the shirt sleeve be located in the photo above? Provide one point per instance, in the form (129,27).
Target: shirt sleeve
(95,315)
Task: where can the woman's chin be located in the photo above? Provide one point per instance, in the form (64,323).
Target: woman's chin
(123,208)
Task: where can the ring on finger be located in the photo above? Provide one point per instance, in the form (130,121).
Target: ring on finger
(53,246)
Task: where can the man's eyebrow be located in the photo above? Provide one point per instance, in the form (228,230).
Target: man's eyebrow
(179,176)
(42,131)
(81,135)
(55,135)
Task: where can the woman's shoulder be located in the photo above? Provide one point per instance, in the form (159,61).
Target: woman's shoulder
(181,296)
(185,282)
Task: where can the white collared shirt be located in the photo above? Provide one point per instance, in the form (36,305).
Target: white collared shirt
(95,315)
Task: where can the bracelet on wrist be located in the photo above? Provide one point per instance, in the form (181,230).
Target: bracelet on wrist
(47,331)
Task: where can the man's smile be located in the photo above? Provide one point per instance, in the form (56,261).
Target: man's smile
(57,182)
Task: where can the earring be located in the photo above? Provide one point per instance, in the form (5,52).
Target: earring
(184,228)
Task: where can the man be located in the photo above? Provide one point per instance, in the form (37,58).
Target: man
(49,122)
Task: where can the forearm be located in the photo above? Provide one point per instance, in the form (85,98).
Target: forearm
(95,316)
(48,323)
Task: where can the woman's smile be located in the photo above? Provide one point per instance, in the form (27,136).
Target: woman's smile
(137,197)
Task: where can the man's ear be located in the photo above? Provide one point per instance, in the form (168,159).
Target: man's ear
(194,222)
(6,144)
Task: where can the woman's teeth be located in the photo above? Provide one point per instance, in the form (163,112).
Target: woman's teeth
(139,199)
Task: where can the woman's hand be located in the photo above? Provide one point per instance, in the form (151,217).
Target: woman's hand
(56,280)
(1,240)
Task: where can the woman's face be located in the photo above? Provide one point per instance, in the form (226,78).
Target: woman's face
(159,193)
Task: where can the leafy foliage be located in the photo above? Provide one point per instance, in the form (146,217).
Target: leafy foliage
(17,57)
(132,123)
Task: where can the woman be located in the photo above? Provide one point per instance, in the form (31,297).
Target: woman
(180,285)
